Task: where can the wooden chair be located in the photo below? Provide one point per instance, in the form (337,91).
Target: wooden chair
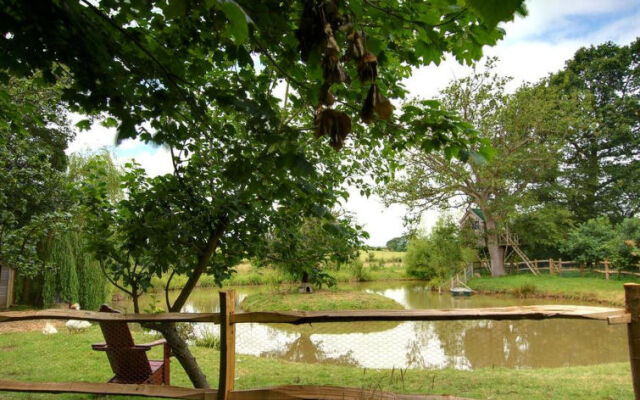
(128,360)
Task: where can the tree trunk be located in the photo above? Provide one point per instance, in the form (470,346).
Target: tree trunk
(496,252)
(180,349)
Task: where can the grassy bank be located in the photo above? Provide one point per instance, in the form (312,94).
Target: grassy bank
(324,300)
(32,356)
(591,289)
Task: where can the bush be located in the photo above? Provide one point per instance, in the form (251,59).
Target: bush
(591,242)
(438,256)
(209,340)
(357,270)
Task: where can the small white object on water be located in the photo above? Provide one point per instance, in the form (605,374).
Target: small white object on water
(49,329)
(75,325)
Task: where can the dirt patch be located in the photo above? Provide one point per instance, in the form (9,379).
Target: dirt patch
(27,326)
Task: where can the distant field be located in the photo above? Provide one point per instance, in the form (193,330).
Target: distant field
(387,256)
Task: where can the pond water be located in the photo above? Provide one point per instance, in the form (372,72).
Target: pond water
(440,344)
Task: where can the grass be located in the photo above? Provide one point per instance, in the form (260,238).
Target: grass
(589,289)
(320,300)
(32,356)
(385,266)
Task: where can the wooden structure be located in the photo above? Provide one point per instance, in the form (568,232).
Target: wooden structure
(227,318)
(128,360)
(7,282)
(474,219)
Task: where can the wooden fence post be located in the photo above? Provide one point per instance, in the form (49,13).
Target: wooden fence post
(581,270)
(535,265)
(551,266)
(632,306)
(227,344)
(560,266)
(606,269)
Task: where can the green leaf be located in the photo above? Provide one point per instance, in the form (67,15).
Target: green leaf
(238,18)
(495,11)
(175,9)
(84,125)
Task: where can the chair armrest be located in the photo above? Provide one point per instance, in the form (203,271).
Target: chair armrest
(99,346)
(154,343)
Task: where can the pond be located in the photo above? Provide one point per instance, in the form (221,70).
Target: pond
(427,345)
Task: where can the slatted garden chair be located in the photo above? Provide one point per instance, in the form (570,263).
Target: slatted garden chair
(128,360)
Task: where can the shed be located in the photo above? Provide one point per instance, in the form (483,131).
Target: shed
(7,279)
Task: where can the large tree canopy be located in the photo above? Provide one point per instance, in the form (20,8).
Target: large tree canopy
(158,67)
(602,157)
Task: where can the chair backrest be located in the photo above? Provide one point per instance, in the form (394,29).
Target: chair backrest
(129,365)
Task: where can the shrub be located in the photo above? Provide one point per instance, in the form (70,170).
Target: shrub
(209,340)
(438,256)
(357,270)
(591,241)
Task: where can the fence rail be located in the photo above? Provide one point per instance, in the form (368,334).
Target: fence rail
(227,319)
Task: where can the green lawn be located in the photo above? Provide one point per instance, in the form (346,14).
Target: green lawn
(592,289)
(32,356)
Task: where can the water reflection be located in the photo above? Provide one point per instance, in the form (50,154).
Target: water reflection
(442,344)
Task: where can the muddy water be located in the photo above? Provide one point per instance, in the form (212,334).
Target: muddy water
(442,344)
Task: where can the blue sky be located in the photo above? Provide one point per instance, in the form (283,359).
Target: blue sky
(534,46)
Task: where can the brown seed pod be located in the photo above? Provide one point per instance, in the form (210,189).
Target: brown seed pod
(376,103)
(335,124)
(368,67)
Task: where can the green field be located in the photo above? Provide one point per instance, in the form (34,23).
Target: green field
(32,356)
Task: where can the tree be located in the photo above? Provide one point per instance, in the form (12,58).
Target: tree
(306,248)
(33,199)
(398,243)
(626,245)
(524,130)
(591,241)
(438,256)
(542,229)
(183,74)
(601,167)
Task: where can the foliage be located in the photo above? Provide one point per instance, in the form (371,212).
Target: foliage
(398,243)
(306,250)
(541,230)
(159,62)
(626,245)
(438,256)
(33,198)
(601,166)
(591,241)
(358,271)
(524,131)
(208,339)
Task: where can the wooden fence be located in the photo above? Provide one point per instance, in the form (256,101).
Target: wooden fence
(557,267)
(227,319)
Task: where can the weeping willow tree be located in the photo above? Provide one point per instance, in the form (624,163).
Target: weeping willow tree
(71,274)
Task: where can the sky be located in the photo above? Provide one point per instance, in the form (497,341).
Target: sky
(534,46)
